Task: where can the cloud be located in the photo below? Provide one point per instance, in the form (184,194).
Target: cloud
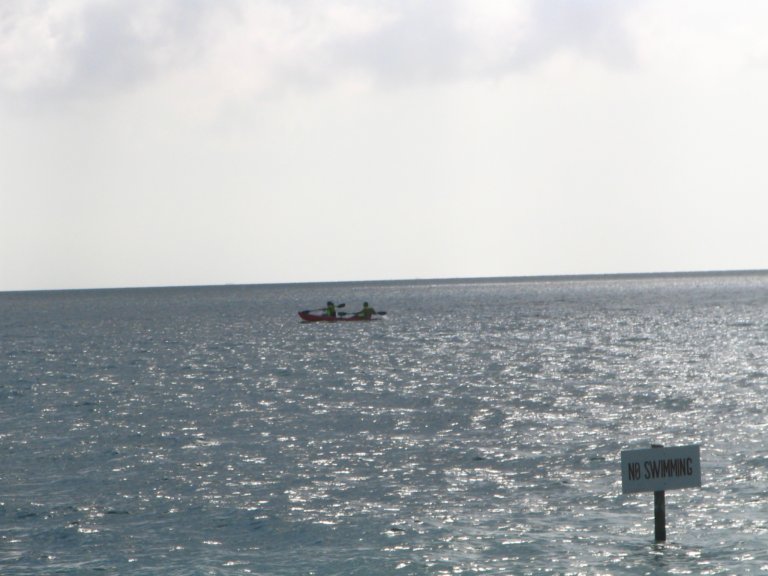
(35,38)
(593,29)
(238,50)
(99,45)
(65,43)
(78,48)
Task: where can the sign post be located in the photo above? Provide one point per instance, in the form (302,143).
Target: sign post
(659,511)
(659,469)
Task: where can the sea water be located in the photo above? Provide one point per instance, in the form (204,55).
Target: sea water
(476,428)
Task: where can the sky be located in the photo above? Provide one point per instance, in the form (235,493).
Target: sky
(198,142)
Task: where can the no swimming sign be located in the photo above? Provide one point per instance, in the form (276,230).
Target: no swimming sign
(659,469)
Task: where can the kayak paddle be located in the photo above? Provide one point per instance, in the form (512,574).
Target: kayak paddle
(324,308)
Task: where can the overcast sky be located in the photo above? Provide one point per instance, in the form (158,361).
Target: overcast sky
(178,142)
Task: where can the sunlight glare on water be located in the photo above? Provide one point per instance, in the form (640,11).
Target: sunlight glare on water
(476,428)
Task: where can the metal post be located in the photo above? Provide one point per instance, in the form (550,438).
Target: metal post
(660,516)
(659,511)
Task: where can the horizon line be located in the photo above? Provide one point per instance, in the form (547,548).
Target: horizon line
(444,280)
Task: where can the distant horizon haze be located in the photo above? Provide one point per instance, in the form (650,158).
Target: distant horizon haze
(445,280)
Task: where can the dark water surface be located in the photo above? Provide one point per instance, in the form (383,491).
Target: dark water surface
(475,429)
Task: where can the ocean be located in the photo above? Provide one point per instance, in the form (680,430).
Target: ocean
(476,428)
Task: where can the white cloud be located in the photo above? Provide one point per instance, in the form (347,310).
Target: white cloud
(35,39)
(237,49)
(249,48)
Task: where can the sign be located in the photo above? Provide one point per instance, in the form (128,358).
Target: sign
(659,469)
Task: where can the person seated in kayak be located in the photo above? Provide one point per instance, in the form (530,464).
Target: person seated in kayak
(366,312)
(330,309)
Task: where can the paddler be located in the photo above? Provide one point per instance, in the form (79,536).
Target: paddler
(366,312)
(330,309)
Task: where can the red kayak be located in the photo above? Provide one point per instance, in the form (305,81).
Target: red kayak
(307,316)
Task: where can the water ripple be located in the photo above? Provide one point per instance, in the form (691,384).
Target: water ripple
(476,430)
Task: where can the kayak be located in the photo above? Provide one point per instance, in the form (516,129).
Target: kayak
(309,317)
